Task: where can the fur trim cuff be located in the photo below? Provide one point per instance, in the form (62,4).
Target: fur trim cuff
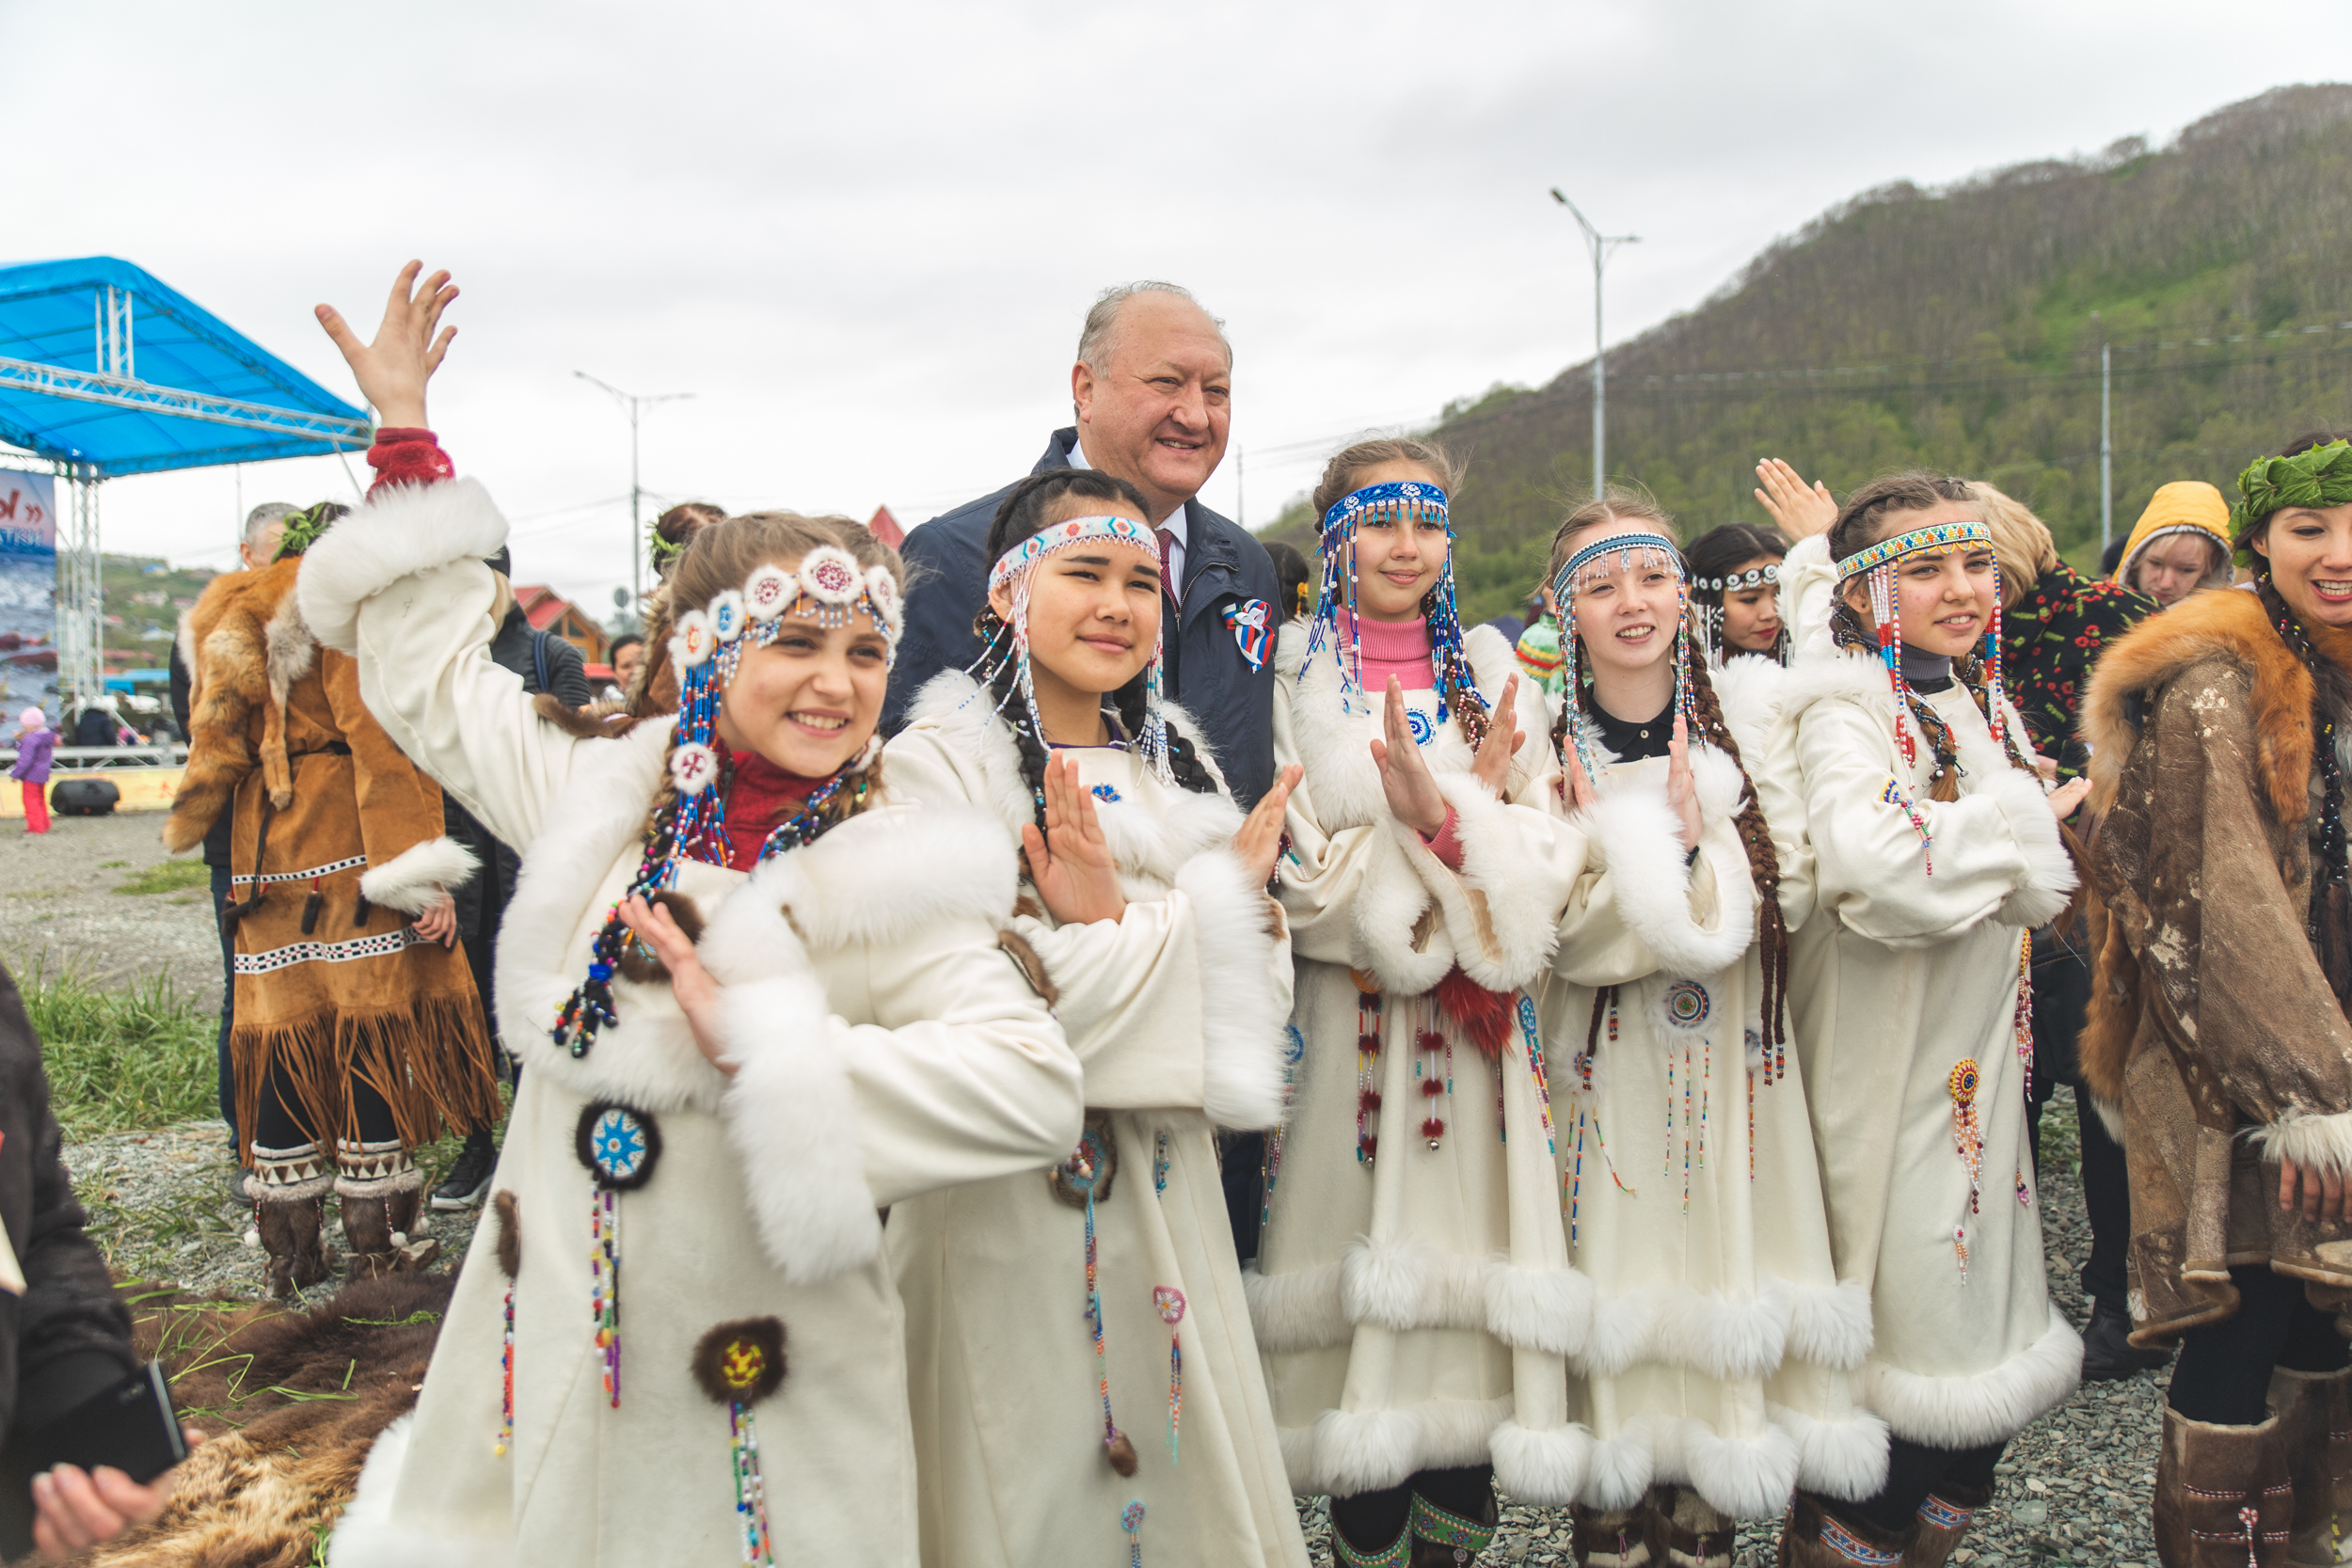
(2110,1115)
(414,880)
(1293,1312)
(1244,1018)
(792,1121)
(1545,1468)
(1365,1452)
(403,531)
(1637,833)
(2050,879)
(1846,1460)
(1973,1409)
(1502,911)
(2324,1142)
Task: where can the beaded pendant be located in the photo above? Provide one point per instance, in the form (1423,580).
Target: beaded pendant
(1968,1138)
(1368,1006)
(1169,1302)
(738,1365)
(507,1212)
(620,1145)
(1087,1175)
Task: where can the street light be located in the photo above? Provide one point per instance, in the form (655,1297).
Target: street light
(636,531)
(1600,245)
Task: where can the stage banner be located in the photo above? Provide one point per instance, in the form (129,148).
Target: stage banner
(28,595)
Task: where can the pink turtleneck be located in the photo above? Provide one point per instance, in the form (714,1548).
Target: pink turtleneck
(1399,648)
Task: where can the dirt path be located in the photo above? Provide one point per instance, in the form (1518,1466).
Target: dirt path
(58,904)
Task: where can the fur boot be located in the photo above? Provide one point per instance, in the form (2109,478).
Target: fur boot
(1684,1532)
(2224,1498)
(381,1190)
(1445,1540)
(1611,1538)
(1943,1520)
(2314,1411)
(288,1185)
(1395,1555)
(1813,1537)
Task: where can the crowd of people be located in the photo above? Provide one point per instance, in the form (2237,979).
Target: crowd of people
(1091,1029)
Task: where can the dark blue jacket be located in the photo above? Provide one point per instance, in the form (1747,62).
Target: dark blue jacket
(1224,567)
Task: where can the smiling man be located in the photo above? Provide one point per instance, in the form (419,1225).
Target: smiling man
(1152,390)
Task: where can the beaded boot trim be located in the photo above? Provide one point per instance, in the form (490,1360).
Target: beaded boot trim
(1395,1555)
(294,1175)
(1943,1515)
(1439,1529)
(1843,1542)
(374,1169)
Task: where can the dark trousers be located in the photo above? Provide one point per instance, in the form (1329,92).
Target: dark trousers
(1913,1470)
(1372,1521)
(2062,999)
(2223,1377)
(228,1005)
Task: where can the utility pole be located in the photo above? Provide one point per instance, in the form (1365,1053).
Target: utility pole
(1600,245)
(2106,447)
(630,404)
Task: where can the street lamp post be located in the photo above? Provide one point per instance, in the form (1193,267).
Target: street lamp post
(630,404)
(1600,245)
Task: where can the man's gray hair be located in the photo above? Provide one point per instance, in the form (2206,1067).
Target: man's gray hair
(257,521)
(1094,339)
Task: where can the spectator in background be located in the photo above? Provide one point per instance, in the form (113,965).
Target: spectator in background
(628,656)
(1295,594)
(64,1335)
(1735,590)
(98,725)
(263,527)
(2054,623)
(2179,545)
(35,741)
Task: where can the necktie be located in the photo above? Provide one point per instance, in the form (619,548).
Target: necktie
(1168,570)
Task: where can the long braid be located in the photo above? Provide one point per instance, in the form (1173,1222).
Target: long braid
(999,677)
(1183,757)
(1756,836)
(1458,687)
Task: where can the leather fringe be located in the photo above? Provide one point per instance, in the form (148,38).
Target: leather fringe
(430,1061)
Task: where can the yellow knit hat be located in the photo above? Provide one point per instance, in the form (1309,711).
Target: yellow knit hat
(2182,506)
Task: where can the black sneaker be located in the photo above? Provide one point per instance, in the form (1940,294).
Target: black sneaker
(2107,1351)
(468,1180)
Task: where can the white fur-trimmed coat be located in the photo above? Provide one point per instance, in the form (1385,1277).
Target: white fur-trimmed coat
(1388,1325)
(1701,1330)
(885,1046)
(1178,1012)
(1898,976)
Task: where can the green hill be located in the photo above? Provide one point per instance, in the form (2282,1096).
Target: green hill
(1955,329)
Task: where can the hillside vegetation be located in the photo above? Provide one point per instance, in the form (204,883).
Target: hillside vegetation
(1960,329)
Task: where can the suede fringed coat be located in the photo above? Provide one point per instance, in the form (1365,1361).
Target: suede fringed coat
(341,836)
(2214,1038)
(1717,1347)
(1179,1013)
(884,1045)
(1900,976)
(1403,1298)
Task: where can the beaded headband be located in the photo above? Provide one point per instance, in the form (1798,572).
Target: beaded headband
(1643,549)
(1877,562)
(1398,502)
(1017,568)
(1754,577)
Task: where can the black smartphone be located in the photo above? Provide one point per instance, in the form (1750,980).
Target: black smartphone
(129,1425)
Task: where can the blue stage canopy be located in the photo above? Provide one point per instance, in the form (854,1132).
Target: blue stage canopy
(106,368)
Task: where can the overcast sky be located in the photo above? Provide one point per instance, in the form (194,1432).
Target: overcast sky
(863,236)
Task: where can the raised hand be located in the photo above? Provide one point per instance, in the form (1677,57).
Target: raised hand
(1492,765)
(2326,1197)
(2066,797)
(1071,862)
(1801,512)
(392,371)
(1404,779)
(1574,786)
(1261,837)
(1682,796)
(696,992)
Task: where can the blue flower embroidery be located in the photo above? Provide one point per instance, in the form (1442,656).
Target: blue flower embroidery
(618,1144)
(1105,793)
(1419,724)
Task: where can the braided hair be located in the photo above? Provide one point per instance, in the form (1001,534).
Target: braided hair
(1866,518)
(1755,834)
(1025,511)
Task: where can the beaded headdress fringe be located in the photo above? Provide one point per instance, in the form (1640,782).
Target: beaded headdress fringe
(1643,549)
(1405,504)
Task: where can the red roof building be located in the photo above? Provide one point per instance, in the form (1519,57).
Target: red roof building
(884,527)
(548,610)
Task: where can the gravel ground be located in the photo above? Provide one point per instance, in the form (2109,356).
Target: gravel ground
(58,905)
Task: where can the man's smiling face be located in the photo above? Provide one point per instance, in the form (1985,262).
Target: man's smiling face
(1157,413)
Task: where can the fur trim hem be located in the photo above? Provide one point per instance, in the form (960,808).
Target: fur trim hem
(1731,1338)
(1975,1408)
(1244,1018)
(1846,1460)
(1746,1478)
(1413,1285)
(2320,1141)
(792,1120)
(370,1535)
(1545,1468)
(413,880)
(1638,837)
(1350,1452)
(1832,1328)
(402,530)
(1291,1313)
(2049,884)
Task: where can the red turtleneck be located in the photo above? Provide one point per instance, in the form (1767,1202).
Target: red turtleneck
(759,795)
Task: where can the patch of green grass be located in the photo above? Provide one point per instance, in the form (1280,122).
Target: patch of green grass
(122,1060)
(112,865)
(169,877)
